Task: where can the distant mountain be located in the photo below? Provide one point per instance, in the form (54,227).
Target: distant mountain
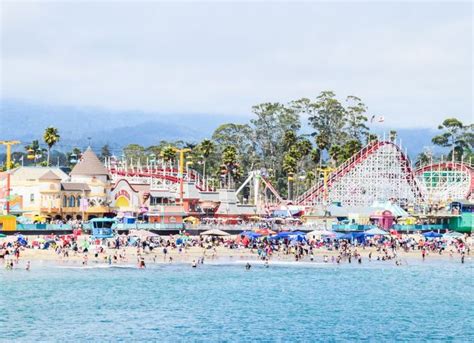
(25,122)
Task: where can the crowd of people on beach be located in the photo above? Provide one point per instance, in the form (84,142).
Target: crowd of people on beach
(117,250)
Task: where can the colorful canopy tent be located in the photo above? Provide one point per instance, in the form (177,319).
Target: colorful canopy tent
(298,235)
(265,232)
(432,234)
(351,236)
(250,234)
(142,234)
(214,232)
(375,232)
(453,234)
(316,234)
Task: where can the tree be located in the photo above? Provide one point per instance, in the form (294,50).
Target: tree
(336,153)
(422,159)
(206,148)
(356,119)
(289,139)
(229,160)
(272,123)
(322,141)
(310,177)
(50,137)
(316,155)
(456,136)
(239,136)
(289,164)
(350,148)
(326,115)
(304,146)
(134,153)
(169,154)
(105,152)
(372,138)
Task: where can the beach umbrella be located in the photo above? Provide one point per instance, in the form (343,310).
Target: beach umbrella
(142,234)
(453,235)
(214,232)
(250,234)
(432,234)
(297,233)
(375,232)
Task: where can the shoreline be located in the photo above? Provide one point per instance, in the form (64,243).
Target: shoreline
(222,256)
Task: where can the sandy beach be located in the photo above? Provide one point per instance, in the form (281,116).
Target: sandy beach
(219,254)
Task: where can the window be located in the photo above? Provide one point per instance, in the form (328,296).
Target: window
(64,201)
(78,201)
(72,201)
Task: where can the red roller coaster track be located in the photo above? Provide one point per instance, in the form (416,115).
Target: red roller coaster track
(164,174)
(318,190)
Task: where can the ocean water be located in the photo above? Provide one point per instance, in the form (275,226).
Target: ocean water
(376,301)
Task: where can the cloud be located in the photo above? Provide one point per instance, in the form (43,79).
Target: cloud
(411,63)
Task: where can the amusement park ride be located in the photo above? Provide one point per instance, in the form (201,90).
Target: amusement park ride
(378,172)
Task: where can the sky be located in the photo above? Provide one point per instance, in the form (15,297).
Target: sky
(409,62)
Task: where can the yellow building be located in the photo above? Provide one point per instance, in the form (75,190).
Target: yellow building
(40,193)
(35,191)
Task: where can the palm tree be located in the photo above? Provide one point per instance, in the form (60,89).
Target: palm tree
(206,148)
(168,154)
(50,137)
(229,160)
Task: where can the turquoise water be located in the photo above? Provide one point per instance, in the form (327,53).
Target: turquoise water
(309,302)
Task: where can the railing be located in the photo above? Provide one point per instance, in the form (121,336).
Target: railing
(120,226)
(351,227)
(150,226)
(420,227)
(43,227)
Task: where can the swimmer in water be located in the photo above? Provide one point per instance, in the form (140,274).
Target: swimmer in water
(248,266)
(194,264)
(27,266)
(266,265)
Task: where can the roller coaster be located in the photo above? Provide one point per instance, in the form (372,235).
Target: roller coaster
(380,171)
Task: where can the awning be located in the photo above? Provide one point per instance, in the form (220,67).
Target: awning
(163,194)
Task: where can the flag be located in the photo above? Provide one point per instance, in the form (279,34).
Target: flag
(381,119)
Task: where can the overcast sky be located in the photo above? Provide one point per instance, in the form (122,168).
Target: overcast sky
(411,63)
